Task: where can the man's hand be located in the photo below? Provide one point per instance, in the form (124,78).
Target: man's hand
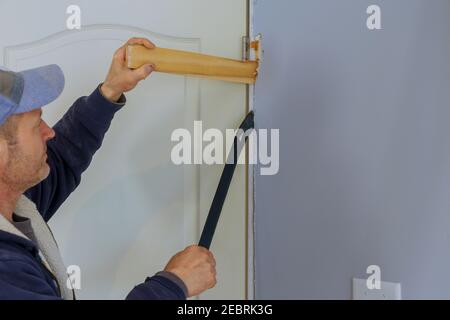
(120,78)
(196,266)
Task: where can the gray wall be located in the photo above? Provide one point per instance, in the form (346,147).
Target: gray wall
(364,119)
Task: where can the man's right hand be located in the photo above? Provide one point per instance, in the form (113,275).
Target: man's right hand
(196,267)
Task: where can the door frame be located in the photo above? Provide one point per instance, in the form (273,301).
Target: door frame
(250,172)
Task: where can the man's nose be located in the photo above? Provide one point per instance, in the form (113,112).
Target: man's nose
(48,133)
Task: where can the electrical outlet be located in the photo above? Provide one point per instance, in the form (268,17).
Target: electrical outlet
(388,291)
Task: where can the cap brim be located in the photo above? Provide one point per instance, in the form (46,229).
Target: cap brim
(41,86)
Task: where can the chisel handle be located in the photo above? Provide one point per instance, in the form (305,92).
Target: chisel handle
(192,64)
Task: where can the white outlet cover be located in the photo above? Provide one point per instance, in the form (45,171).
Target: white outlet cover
(388,291)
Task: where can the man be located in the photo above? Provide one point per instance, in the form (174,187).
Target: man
(40,166)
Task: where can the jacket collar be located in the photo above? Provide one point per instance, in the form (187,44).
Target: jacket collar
(7,226)
(10,234)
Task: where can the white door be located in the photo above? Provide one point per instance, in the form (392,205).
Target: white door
(134,209)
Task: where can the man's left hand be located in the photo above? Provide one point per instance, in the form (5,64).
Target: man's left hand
(120,78)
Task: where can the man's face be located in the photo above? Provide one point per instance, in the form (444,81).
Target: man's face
(26,161)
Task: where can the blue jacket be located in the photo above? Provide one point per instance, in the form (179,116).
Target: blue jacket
(79,134)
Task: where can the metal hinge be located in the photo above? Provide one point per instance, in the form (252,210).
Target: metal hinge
(252,49)
(245,47)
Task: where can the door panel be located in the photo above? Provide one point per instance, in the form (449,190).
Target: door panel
(134,209)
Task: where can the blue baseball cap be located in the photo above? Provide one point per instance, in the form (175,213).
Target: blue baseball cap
(29,89)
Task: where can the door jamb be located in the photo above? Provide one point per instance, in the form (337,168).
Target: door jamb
(250,201)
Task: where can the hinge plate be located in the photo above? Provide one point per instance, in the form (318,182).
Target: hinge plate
(252,49)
